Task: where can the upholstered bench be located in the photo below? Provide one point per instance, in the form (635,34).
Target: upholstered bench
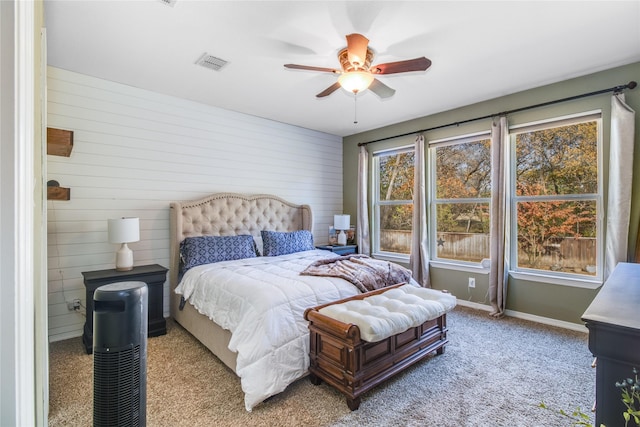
(358,342)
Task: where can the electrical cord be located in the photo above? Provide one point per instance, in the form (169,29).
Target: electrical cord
(52,211)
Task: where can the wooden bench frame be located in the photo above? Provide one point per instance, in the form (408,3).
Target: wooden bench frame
(341,358)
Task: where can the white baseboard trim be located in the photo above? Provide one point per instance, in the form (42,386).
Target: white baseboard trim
(578,327)
(65,336)
(475,305)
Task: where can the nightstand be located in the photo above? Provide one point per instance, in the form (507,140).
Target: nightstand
(153,275)
(340,250)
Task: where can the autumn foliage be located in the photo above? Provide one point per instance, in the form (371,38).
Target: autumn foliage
(554,191)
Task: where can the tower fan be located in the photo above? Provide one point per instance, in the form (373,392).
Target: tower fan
(120,354)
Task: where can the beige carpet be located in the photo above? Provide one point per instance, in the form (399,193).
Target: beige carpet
(493,373)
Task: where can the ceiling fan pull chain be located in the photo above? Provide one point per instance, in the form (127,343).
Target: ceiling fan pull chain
(355,108)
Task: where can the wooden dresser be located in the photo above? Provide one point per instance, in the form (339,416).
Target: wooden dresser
(613,319)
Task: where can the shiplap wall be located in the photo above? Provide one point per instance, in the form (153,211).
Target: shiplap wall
(135,151)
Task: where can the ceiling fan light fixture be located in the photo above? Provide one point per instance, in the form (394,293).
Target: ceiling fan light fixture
(357,73)
(355,81)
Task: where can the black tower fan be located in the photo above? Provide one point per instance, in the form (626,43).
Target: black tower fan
(120,354)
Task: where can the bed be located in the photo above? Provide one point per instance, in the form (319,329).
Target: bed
(224,214)
(256,325)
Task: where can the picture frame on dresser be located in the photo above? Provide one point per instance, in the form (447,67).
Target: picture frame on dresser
(351,235)
(333,236)
(153,275)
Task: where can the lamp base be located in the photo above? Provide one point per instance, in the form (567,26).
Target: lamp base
(124,258)
(342,238)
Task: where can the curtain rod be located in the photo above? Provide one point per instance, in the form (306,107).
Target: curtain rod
(615,89)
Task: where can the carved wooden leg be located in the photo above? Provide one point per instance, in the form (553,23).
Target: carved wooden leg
(315,380)
(353,404)
(440,350)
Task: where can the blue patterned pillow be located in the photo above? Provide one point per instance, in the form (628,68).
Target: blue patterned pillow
(209,249)
(281,243)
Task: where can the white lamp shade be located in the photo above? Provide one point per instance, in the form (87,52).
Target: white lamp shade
(341,222)
(124,230)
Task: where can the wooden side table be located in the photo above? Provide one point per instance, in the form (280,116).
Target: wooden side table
(153,275)
(339,249)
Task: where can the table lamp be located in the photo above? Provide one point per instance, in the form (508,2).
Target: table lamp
(124,230)
(341,223)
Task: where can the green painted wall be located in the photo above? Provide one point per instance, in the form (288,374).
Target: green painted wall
(541,299)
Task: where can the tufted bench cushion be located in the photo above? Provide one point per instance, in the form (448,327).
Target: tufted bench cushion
(392,312)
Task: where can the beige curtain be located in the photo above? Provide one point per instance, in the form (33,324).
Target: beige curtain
(500,217)
(362,225)
(620,179)
(419,260)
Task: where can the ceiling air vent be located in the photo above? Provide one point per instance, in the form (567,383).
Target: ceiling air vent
(168,2)
(210,61)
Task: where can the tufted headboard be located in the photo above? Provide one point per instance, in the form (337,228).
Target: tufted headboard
(228,214)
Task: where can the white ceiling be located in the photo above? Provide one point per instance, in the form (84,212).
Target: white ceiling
(479,49)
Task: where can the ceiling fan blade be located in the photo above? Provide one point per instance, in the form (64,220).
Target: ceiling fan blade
(310,68)
(329,90)
(417,64)
(381,89)
(357,49)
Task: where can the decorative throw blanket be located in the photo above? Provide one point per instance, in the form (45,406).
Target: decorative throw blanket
(366,273)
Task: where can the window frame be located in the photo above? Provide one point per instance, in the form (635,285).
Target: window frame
(433,202)
(555,277)
(377,203)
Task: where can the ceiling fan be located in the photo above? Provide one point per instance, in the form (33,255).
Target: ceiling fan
(357,73)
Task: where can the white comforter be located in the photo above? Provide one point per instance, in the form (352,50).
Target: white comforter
(262,302)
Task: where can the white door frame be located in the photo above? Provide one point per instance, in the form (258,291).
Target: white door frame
(17,305)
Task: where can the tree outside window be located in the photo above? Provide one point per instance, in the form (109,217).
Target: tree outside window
(461,171)
(556,198)
(394,201)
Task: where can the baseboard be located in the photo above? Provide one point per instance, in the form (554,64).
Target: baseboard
(578,327)
(65,336)
(475,305)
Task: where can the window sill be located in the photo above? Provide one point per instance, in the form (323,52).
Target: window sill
(532,277)
(469,268)
(388,256)
(556,280)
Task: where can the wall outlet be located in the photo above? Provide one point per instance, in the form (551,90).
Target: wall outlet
(472,282)
(73,305)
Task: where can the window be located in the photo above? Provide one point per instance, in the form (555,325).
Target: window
(555,200)
(461,196)
(393,201)
(556,197)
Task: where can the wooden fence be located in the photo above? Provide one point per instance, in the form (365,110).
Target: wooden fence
(571,254)
(395,241)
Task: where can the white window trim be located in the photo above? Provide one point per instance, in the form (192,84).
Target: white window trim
(392,256)
(556,279)
(376,203)
(473,267)
(476,268)
(563,279)
(461,139)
